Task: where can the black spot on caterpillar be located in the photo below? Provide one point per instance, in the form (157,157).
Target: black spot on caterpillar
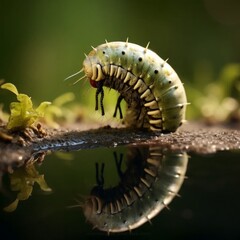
(154,94)
(152,179)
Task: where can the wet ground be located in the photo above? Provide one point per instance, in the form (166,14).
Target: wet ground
(191,137)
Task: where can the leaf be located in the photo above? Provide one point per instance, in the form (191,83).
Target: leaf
(26,191)
(10,87)
(41,108)
(26,102)
(64,98)
(21,116)
(11,207)
(42,183)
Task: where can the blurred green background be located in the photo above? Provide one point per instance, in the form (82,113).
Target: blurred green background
(43,42)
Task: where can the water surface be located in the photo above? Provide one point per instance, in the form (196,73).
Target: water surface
(208,207)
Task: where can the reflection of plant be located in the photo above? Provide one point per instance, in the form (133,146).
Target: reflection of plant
(218,100)
(22,113)
(22,180)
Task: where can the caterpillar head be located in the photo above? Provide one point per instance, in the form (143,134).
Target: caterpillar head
(92,68)
(92,211)
(89,69)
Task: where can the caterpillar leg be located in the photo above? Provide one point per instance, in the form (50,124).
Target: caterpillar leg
(98,189)
(100,179)
(100,91)
(119,164)
(118,107)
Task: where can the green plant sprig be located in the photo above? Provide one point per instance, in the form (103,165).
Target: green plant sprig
(22,113)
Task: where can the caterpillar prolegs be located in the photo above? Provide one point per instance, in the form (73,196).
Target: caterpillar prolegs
(154,94)
(150,182)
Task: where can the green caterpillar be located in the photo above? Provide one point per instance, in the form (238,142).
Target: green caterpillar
(154,94)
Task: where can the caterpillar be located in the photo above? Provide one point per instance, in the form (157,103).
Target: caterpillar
(150,182)
(154,93)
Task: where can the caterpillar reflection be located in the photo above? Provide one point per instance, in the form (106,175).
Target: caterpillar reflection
(149,184)
(154,94)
